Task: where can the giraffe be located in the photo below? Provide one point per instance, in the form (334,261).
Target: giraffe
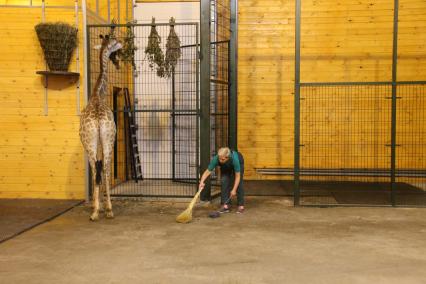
(97,127)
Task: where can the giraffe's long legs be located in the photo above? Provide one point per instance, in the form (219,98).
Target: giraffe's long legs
(89,134)
(107,135)
(106,186)
(108,205)
(102,197)
(95,213)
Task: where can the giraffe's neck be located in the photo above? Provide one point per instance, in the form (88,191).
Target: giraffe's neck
(101,87)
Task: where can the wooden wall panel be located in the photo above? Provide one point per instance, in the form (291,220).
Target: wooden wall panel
(411,40)
(40,156)
(63,3)
(156,1)
(265,84)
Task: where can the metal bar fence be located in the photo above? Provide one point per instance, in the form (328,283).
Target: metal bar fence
(346,148)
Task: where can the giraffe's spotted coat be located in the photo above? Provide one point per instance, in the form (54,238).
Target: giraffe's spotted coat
(97,129)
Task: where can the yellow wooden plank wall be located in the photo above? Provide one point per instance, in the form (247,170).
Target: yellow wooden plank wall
(64,3)
(40,156)
(117,9)
(412,40)
(265,83)
(156,1)
(341,41)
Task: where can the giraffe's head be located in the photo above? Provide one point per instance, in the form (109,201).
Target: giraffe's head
(109,48)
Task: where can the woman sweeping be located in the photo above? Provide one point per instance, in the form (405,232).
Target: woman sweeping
(231,165)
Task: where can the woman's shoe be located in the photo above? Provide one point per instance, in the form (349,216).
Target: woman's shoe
(240,210)
(223,209)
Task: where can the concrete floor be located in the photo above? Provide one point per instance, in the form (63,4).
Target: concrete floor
(271,242)
(20,215)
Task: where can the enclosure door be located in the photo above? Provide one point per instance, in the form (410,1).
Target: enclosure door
(168,105)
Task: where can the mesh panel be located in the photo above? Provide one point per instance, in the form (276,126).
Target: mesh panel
(345,133)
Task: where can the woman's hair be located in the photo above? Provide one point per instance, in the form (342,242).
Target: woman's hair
(224,152)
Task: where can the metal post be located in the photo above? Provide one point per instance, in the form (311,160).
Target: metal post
(77,62)
(197,121)
(205,93)
(87,76)
(86,41)
(43,12)
(230,111)
(109,11)
(173,126)
(133,9)
(118,11)
(297,107)
(394,97)
(46,99)
(233,78)
(127,11)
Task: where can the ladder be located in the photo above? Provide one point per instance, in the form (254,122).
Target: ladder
(132,137)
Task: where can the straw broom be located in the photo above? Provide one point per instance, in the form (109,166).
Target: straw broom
(186,216)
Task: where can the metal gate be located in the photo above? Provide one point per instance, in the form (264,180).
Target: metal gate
(347,154)
(157,117)
(359,143)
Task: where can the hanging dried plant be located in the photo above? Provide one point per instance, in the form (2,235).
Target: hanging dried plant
(173,51)
(153,51)
(127,53)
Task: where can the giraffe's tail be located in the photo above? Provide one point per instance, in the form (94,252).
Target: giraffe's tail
(98,172)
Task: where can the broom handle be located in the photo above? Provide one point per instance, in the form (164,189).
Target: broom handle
(195,198)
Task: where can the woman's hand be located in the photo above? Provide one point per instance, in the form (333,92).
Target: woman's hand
(201,186)
(233,193)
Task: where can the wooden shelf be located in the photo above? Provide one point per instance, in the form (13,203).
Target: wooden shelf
(74,75)
(58,73)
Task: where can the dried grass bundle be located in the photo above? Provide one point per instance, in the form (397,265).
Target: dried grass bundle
(58,41)
(153,51)
(127,53)
(173,51)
